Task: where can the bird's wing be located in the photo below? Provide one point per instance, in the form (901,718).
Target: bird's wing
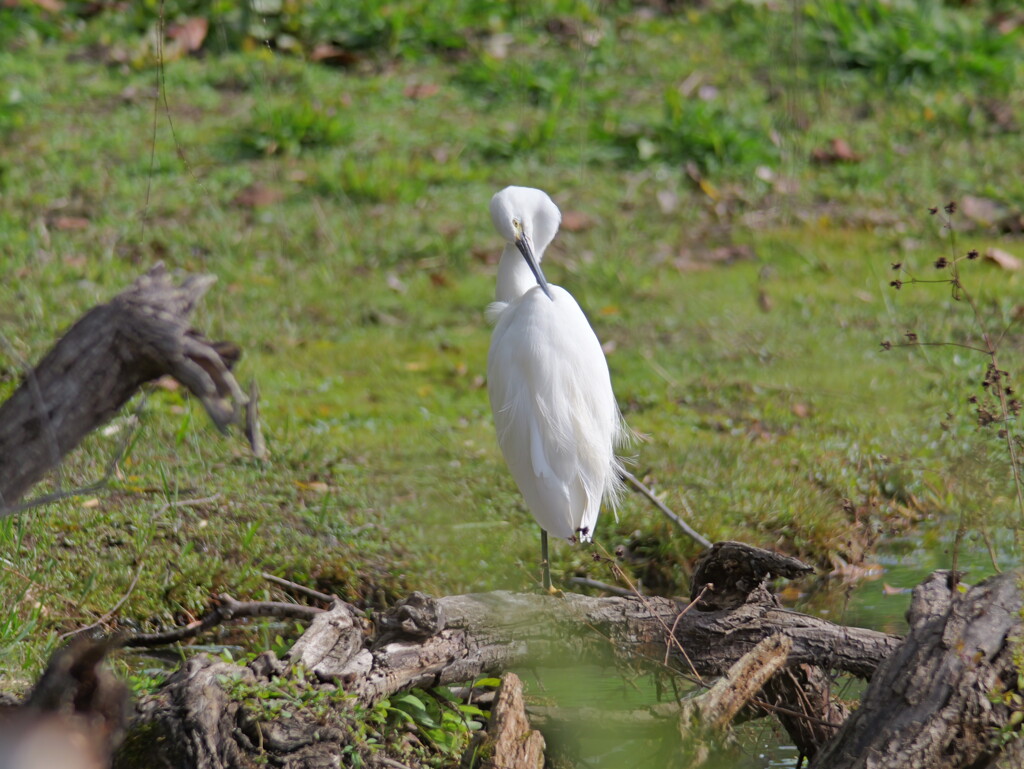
(554,410)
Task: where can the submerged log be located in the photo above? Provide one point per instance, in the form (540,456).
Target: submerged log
(102,360)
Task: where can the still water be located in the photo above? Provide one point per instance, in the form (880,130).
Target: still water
(876,599)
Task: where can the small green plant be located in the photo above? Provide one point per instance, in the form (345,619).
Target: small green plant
(711,134)
(288,695)
(904,40)
(444,722)
(290,128)
(146,681)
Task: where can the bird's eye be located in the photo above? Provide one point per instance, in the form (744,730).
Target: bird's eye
(515,223)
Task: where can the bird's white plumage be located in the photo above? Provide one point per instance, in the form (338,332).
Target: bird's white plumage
(550,391)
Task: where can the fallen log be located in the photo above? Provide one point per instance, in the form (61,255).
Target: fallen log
(938,698)
(426,642)
(102,360)
(945,698)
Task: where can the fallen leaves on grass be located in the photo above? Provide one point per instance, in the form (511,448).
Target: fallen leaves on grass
(69,223)
(837,151)
(576,221)
(1004,259)
(888,589)
(421,90)
(257,196)
(327,53)
(189,34)
(689,260)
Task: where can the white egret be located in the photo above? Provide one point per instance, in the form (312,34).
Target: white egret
(551,394)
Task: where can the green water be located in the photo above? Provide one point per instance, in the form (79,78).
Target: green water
(878,601)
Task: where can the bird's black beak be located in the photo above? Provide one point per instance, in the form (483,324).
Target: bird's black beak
(527,251)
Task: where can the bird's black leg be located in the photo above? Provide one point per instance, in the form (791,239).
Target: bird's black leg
(545,563)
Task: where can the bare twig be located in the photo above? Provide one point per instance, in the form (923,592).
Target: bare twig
(637,484)
(672,632)
(113,610)
(227,609)
(389,762)
(596,585)
(308,591)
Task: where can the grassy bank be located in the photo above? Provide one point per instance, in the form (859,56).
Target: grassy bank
(734,258)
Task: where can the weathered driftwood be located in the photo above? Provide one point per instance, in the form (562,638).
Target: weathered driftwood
(706,718)
(487,633)
(931,703)
(101,361)
(937,701)
(427,642)
(510,741)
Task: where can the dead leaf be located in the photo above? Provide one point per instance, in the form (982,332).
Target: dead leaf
(499,44)
(841,568)
(801,410)
(190,33)
(1006,22)
(790,593)
(668,201)
(705,186)
(576,221)
(888,589)
(1004,259)
(325,53)
(764,301)
(257,196)
(729,254)
(421,90)
(438,279)
(981,211)
(837,151)
(91,503)
(168,383)
(485,255)
(69,223)
(53,6)
(394,282)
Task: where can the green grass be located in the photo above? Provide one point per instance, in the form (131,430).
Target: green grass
(357,292)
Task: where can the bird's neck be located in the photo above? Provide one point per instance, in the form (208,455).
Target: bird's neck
(514,276)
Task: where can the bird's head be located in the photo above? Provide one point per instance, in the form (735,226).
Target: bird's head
(529,219)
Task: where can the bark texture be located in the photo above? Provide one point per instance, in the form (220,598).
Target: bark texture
(141,334)
(937,701)
(511,742)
